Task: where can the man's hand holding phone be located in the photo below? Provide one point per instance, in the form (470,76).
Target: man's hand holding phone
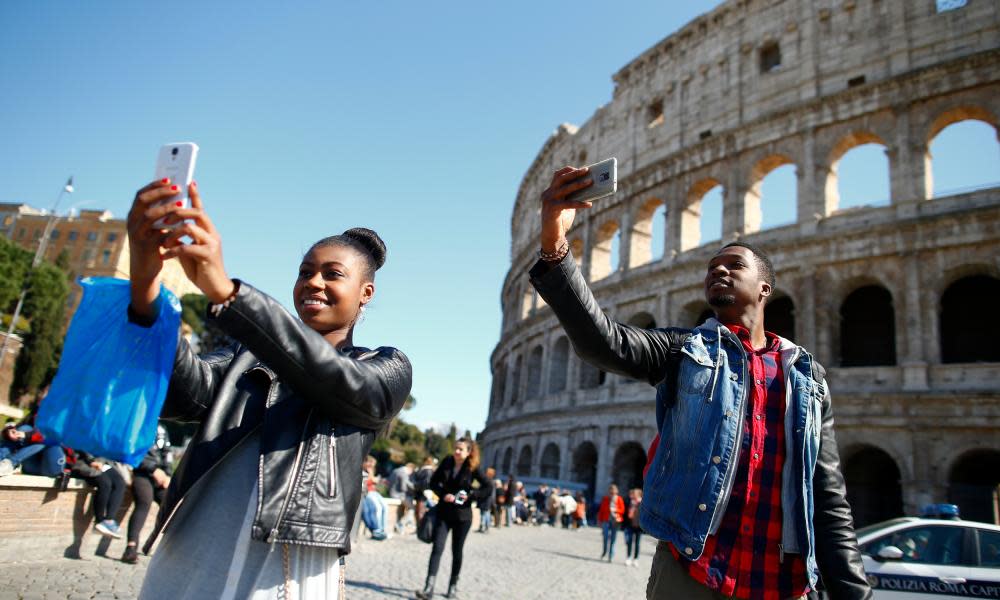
(572,189)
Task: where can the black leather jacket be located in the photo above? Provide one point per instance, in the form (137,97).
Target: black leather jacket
(318,409)
(626,351)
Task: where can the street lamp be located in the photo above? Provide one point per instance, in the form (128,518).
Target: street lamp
(39,253)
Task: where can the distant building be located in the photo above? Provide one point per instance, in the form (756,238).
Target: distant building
(95,242)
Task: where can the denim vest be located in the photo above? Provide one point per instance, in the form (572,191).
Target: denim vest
(689,482)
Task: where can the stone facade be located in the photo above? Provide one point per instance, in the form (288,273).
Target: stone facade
(881,294)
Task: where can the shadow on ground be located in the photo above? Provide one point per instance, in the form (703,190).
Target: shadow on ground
(391,592)
(567,555)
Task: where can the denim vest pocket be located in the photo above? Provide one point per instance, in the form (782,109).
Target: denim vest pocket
(697,369)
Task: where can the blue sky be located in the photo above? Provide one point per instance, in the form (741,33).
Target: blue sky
(417,120)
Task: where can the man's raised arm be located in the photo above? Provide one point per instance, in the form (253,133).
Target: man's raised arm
(600,341)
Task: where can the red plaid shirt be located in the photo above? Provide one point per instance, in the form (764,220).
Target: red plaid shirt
(743,559)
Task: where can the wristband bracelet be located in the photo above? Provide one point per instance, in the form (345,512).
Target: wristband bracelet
(556,255)
(216,309)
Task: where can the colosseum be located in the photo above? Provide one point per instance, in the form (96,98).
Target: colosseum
(886,295)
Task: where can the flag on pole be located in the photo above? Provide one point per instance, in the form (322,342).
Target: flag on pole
(69,185)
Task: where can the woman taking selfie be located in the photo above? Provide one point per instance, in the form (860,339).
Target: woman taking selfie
(262,504)
(457,482)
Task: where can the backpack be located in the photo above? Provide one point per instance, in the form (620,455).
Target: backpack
(422,481)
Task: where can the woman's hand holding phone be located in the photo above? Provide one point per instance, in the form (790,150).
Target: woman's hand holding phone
(144,240)
(202,256)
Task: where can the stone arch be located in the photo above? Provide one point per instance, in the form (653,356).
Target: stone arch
(559,365)
(695,313)
(601,253)
(779,315)
(642,319)
(549,467)
(535,364)
(576,249)
(957,114)
(499,386)
(868,328)
(945,154)
(646,233)
(973,479)
(848,144)
(527,301)
(524,461)
(629,462)
(508,460)
(496,458)
(963,338)
(753,210)
(874,488)
(590,376)
(515,381)
(585,467)
(691,214)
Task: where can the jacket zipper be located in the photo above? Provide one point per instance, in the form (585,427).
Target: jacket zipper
(273,535)
(332,446)
(730,477)
(267,402)
(789,435)
(260,457)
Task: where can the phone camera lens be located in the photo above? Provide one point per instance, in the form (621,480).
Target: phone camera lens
(174,151)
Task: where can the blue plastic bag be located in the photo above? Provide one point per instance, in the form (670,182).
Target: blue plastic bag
(113,375)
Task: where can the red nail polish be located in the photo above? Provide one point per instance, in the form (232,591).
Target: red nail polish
(194,184)
(179,203)
(174,188)
(165,180)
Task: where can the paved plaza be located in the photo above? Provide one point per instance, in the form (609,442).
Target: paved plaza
(519,562)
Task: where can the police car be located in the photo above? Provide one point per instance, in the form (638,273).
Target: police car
(935,556)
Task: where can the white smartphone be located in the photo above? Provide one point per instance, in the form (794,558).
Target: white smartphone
(605,177)
(176,162)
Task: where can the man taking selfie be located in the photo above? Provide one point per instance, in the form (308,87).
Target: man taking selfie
(743,484)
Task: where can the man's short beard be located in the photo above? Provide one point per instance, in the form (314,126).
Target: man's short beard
(722,301)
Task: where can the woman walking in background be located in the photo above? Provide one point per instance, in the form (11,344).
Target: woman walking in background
(457,482)
(610,516)
(631,527)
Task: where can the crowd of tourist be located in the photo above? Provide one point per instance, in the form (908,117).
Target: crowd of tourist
(24,449)
(505,504)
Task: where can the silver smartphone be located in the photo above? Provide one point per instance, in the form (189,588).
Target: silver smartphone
(605,177)
(176,162)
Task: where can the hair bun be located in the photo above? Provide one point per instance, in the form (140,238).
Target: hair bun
(370,241)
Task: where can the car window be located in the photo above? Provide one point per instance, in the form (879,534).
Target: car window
(927,544)
(989,548)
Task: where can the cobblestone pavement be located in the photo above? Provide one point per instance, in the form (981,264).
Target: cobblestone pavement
(525,563)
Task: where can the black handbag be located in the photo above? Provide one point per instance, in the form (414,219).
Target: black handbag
(425,528)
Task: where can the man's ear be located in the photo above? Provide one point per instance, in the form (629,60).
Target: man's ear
(765,289)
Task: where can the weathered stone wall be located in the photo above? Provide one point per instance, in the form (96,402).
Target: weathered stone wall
(702,109)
